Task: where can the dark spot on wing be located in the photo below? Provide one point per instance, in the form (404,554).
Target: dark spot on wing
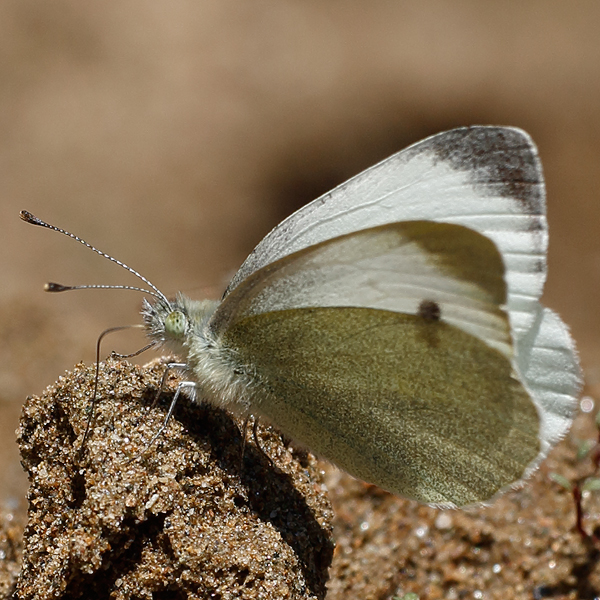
(429,310)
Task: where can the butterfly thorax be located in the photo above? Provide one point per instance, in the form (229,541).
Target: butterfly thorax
(182,326)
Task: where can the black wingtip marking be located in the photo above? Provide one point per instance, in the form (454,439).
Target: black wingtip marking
(502,159)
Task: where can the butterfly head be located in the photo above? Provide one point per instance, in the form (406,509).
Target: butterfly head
(174,323)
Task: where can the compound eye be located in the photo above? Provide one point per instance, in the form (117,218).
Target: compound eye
(175,324)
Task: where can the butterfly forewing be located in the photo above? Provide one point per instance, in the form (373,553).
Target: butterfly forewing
(486,178)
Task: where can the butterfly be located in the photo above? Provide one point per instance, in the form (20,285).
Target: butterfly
(393,325)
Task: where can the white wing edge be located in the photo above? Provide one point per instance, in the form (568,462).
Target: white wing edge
(551,372)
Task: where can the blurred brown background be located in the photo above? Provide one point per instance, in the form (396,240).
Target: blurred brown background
(175,134)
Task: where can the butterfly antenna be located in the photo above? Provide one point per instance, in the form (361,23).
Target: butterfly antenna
(57,287)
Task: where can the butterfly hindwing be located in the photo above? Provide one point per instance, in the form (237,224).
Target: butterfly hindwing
(416,406)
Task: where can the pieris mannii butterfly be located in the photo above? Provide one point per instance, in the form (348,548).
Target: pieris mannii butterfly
(393,325)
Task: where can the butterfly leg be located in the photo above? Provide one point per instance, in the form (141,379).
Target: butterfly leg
(183,385)
(256,440)
(244,430)
(169,367)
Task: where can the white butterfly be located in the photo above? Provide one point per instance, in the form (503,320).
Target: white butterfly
(393,326)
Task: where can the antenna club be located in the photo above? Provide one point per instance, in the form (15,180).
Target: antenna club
(29,218)
(56,287)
